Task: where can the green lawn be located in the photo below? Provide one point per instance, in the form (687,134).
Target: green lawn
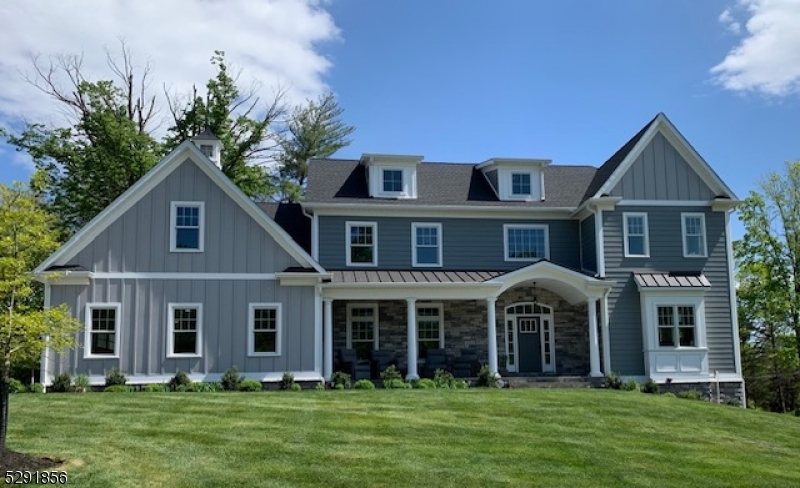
(415,438)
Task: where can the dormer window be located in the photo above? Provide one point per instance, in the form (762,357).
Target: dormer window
(521,184)
(207,150)
(392,180)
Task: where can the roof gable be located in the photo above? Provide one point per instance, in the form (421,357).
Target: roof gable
(185,151)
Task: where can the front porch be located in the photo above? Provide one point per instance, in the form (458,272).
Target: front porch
(539,320)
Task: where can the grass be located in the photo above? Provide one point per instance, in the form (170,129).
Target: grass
(429,438)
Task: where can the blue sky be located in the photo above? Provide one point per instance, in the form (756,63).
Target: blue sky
(461,81)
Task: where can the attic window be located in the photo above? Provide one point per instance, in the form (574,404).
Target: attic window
(392,180)
(520,183)
(207,150)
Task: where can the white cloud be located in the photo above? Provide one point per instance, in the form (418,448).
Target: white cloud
(727,19)
(273,42)
(767,58)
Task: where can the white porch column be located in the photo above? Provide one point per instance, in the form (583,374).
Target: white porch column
(606,337)
(491,323)
(594,348)
(411,319)
(327,334)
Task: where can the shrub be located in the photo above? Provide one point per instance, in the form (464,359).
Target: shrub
(424,384)
(668,394)
(287,381)
(156,388)
(62,383)
(250,385)
(180,379)
(115,377)
(390,374)
(36,388)
(320,386)
(200,387)
(231,381)
(82,383)
(612,381)
(295,387)
(460,384)
(340,378)
(118,389)
(631,385)
(650,387)
(16,386)
(443,379)
(364,385)
(485,377)
(396,384)
(690,395)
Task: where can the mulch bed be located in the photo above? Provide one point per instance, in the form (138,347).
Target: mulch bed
(17,461)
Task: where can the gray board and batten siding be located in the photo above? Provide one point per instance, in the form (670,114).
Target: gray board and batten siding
(666,254)
(661,173)
(139,241)
(468,244)
(143,325)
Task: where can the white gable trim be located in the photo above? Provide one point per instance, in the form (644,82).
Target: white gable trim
(696,162)
(156,175)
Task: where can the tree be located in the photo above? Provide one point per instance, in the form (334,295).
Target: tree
(768,263)
(314,131)
(27,236)
(238,120)
(107,147)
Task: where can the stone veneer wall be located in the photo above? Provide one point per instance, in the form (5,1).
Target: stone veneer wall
(728,392)
(465,327)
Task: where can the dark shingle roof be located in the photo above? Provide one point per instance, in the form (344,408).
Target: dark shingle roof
(345,181)
(291,218)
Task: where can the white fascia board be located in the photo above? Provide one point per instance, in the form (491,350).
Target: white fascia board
(369,159)
(396,291)
(301,279)
(513,163)
(372,209)
(64,277)
(596,203)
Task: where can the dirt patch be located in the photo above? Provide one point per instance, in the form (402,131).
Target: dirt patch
(17,461)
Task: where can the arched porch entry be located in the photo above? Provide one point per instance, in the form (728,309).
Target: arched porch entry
(529,338)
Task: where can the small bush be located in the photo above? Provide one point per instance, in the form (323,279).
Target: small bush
(320,386)
(231,381)
(391,374)
(36,388)
(295,387)
(180,379)
(200,387)
(690,395)
(612,381)
(631,385)
(118,389)
(16,386)
(443,379)
(62,383)
(395,384)
(250,385)
(287,381)
(82,383)
(424,384)
(734,402)
(115,377)
(651,387)
(156,388)
(340,378)
(460,384)
(364,384)
(485,377)
(668,394)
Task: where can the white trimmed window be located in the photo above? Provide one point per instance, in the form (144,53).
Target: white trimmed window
(426,247)
(693,226)
(430,328)
(521,184)
(526,242)
(637,239)
(185,331)
(187,226)
(102,332)
(676,325)
(362,328)
(362,240)
(392,180)
(264,329)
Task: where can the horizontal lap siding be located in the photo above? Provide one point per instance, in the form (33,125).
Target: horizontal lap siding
(139,240)
(666,254)
(468,243)
(225,319)
(588,244)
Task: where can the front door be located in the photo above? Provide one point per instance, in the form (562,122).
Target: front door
(530,344)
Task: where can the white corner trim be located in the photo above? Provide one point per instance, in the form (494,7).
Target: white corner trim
(44,368)
(347,243)
(251,328)
(87,336)
(414,227)
(171,331)
(737,358)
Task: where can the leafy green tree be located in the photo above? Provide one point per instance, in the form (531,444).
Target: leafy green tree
(239,120)
(768,264)
(314,130)
(27,237)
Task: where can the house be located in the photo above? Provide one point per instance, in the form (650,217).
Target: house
(536,268)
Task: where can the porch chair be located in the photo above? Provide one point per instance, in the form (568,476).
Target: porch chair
(380,360)
(436,359)
(467,364)
(349,363)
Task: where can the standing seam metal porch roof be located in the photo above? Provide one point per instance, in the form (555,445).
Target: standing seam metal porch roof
(670,280)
